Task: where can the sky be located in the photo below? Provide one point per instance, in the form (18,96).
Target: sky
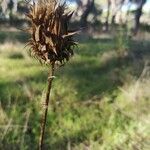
(146,7)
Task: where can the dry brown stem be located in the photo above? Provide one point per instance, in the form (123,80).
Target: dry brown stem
(46,103)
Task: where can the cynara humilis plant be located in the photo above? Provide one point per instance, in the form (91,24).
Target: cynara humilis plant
(51,41)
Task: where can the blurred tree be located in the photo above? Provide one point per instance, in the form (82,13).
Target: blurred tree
(113,6)
(138,13)
(86,11)
(116,7)
(9,4)
(85,8)
(13,10)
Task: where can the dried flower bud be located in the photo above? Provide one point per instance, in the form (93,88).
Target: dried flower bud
(51,40)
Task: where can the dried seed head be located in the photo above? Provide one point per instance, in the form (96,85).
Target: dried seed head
(51,40)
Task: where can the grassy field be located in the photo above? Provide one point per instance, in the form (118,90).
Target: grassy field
(100,99)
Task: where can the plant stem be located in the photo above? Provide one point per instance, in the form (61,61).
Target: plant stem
(46,102)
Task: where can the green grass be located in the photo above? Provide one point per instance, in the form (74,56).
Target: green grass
(94,103)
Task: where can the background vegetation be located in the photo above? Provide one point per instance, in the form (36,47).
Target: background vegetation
(100,99)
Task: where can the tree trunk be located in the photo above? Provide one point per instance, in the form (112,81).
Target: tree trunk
(86,13)
(138,14)
(108,14)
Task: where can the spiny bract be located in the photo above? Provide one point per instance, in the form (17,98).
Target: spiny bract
(51,40)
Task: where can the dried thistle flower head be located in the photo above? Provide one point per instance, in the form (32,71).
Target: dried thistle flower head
(51,40)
